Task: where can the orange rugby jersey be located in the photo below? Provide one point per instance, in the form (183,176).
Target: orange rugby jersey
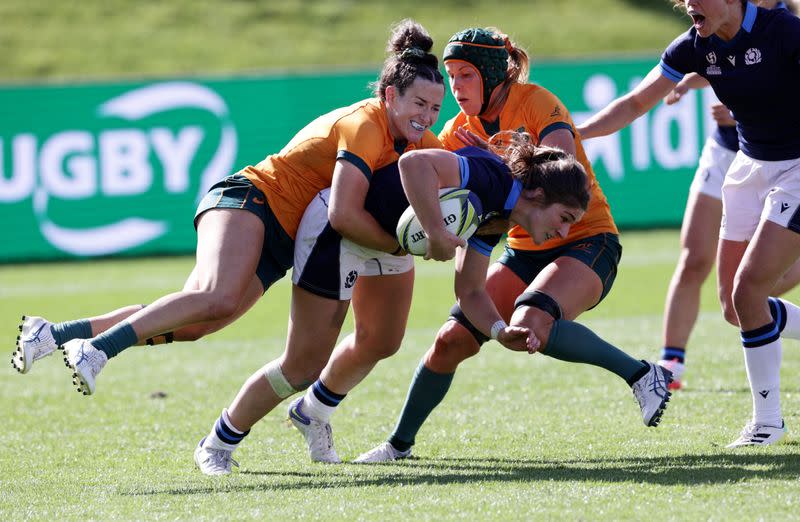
(537,111)
(358,133)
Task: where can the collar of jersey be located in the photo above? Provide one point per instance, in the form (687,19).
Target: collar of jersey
(749,20)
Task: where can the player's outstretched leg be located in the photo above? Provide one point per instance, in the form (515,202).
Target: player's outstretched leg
(317,432)
(85,361)
(34,342)
(652,393)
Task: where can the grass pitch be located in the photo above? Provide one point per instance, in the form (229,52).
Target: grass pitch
(518,437)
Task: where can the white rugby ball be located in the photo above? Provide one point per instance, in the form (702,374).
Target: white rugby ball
(461,210)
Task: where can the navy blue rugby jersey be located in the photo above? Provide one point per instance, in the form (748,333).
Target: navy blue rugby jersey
(482,172)
(756,75)
(727,137)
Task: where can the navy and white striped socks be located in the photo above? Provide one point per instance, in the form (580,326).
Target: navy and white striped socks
(320,402)
(673,353)
(224,435)
(787,316)
(762,357)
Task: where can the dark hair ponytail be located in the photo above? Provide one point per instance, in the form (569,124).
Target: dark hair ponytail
(409,58)
(559,175)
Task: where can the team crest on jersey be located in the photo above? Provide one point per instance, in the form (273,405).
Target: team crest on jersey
(752,56)
(711,57)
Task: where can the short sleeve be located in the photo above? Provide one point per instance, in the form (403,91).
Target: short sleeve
(484,244)
(544,113)
(360,141)
(678,59)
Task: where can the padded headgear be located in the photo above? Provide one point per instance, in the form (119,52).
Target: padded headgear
(486,51)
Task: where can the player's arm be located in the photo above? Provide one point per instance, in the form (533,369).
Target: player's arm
(470,288)
(690,81)
(346,211)
(562,139)
(422,173)
(625,109)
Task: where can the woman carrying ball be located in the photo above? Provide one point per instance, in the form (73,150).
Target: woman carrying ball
(544,190)
(552,279)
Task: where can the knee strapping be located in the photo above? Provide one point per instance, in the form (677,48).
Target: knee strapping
(280,385)
(457,315)
(539,300)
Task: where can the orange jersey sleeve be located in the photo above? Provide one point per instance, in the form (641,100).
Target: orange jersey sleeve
(358,134)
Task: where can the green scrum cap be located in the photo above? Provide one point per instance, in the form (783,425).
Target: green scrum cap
(486,51)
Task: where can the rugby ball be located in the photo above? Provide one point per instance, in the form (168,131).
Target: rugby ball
(461,210)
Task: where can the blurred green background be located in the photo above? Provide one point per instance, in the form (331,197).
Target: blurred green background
(95,39)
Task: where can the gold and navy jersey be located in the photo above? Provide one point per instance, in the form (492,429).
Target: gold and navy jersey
(755,75)
(535,110)
(358,134)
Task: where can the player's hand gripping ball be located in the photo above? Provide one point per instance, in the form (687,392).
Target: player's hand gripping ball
(461,210)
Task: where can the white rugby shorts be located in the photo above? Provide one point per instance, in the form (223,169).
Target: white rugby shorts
(714,163)
(328,265)
(756,190)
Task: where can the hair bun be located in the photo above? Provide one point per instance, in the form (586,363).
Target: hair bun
(412,52)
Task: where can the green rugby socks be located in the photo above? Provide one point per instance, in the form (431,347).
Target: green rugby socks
(573,342)
(69,330)
(115,339)
(427,390)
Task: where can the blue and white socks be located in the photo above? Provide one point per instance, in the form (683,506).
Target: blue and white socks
(224,435)
(320,402)
(673,353)
(786,316)
(762,357)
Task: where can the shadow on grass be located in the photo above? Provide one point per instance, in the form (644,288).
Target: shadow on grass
(703,469)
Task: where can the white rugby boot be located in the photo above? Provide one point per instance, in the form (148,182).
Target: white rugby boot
(384,452)
(213,461)
(34,342)
(652,393)
(759,435)
(85,361)
(677,370)
(318,434)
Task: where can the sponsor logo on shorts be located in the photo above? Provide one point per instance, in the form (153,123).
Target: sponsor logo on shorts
(257,200)
(784,207)
(350,280)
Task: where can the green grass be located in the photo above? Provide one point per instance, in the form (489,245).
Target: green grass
(41,39)
(518,438)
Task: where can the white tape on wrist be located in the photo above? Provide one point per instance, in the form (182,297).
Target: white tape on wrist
(497,328)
